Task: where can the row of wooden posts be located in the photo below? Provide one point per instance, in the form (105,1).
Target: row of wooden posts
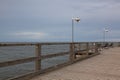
(39,57)
(71,53)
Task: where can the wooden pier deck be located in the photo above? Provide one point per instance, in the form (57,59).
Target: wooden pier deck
(105,66)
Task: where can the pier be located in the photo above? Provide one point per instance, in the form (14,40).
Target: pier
(105,66)
(86,61)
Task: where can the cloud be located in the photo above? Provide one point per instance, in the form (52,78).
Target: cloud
(45,9)
(29,35)
(51,19)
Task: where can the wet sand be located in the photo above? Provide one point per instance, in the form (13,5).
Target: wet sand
(105,66)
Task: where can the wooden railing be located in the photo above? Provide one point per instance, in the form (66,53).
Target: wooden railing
(75,50)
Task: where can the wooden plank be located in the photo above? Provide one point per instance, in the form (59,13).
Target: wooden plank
(80,52)
(55,43)
(20,61)
(54,55)
(15,62)
(16,44)
(31,44)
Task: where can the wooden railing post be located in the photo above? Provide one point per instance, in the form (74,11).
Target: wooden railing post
(96,47)
(38,57)
(72,55)
(118,44)
(87,48)
(79,46)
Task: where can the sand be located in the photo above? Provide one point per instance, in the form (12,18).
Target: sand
(105,66)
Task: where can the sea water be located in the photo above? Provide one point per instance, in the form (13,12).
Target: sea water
(20,52)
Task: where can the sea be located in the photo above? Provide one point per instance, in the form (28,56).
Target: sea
(20,52)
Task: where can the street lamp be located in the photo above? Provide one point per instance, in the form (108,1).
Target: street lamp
(104,34)
(77,19)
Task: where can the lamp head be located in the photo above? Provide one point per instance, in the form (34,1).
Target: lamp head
(77,19)
(106,30)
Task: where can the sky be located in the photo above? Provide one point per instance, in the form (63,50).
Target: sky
(51,20)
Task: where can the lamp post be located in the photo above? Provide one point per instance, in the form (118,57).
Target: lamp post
(104,34)
(72,47)
(77,19)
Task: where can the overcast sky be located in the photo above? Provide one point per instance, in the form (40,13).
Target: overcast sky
(50,20)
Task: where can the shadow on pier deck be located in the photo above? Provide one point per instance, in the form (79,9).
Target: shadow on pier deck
(105,66)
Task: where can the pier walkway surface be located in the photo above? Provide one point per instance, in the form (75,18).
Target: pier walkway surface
(105,66)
